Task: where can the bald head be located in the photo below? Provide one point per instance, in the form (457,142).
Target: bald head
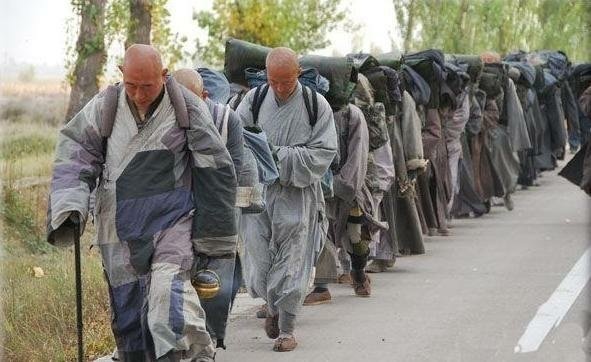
(283,70)
(143,75)
(142,55)
(191,79)
(282,57)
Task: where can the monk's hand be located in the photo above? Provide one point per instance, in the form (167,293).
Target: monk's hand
(68,232)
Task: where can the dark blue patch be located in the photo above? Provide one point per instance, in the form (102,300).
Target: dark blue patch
(149,173)
(140,254)
(175,314)
(126,306)
(141,218)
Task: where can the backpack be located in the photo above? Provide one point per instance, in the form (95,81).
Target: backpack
(373,110)
(311,103)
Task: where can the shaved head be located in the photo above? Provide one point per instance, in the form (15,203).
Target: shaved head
(143,75)
(142,55)
(191,79)
(283,71)
(284,58)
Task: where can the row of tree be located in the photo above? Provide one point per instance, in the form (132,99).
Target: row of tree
(456,26)
(474,26)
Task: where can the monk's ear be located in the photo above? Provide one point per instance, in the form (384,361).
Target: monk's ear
(120,68)
(164,72)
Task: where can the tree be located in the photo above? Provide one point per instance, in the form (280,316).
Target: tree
(91,54)
(140,22)
(301,25)
(144,22)
(463,26)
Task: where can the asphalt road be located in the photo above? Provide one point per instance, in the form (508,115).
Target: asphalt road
(471,297)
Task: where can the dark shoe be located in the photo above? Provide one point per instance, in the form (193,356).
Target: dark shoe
(272,326)
(262,312)
(316,298)
(362,289)
(487,206)
(286,344)
(344,279)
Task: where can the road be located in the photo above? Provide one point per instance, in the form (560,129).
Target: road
(471,297)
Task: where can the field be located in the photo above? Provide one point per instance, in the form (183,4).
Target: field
(37,280)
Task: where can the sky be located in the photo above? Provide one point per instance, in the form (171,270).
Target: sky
(35,31)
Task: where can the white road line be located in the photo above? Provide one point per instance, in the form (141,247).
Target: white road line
(551,313)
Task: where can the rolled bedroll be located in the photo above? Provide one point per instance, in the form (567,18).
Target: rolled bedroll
(339,71)
(474,63)
(241,55)
(390,59)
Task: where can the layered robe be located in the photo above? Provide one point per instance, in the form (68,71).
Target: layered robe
(497,143)
(228,269)
(506,136)
(434,185)
(554,136)
(281,242)
(453,128)
(399,204)
(528,173)
(467,199)
(164,194)
(349,187)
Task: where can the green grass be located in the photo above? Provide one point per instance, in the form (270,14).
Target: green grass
(40,313)
(25,146)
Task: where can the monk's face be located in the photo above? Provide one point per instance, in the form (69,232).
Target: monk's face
(143,83)
(283,80)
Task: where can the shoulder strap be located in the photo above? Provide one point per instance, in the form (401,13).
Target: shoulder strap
(109,110)
(224,131)
(312,109)
(177,99)
(259,96)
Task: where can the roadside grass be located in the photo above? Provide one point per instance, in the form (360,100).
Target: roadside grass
(39,311)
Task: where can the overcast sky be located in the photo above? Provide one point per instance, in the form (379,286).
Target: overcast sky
(34,31)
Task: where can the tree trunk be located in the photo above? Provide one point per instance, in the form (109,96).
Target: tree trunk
(460,37)
(409,25)
(140,22)
(91,55)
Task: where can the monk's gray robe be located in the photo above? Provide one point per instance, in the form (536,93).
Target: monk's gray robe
(282,241)
(514,119)
(360,182)
(398,206)
(165,193)
(503,160)
(230,128)
(228,269)
(382,164)
(349,185)
(509,136)
(453,129)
